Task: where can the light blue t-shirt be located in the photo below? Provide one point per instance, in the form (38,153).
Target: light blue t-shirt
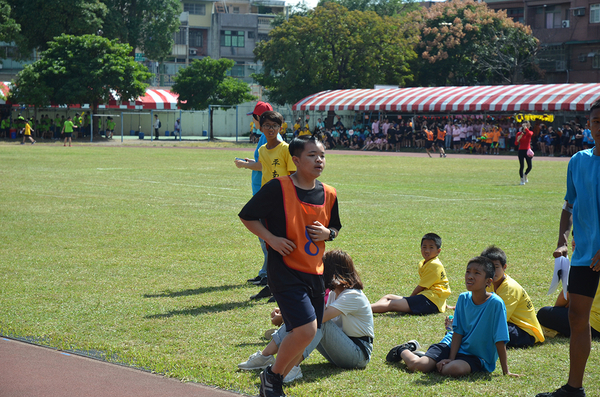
(583,192)
(481,326)
(257,175)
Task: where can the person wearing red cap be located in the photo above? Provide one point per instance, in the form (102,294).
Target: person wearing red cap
(261,279)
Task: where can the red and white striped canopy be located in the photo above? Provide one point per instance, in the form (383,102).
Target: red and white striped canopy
(474,99)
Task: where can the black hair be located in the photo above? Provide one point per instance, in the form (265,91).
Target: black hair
(595,105)
(432,236)
(339,270)
(494,253)
(486,264)
(271,115)
(298,144)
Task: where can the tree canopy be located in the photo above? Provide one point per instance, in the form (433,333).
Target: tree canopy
(205,82)
(80,69)
(381,7)
(44,20)
(463,42)
(333,48)
(145,24)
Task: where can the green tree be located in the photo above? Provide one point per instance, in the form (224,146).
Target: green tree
(44,20)
(333,48)
(463,42)
(205,82)
(145,24)
(9,28)
(381,7)
(80,69)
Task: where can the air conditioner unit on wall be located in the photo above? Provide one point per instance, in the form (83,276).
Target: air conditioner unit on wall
(193,52)
(579,12)
(566,23)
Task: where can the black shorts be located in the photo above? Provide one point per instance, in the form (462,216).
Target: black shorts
(428,144)
(583,281)
(441,143)
(441,351)
(68,134)
(519,337)
(298,308)
(420,304)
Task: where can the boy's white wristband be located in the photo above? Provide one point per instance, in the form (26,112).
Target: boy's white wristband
(567,207)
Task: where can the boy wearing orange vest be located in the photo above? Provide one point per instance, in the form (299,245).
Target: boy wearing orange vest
(301,213)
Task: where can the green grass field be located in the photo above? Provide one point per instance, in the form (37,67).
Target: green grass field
(137,252)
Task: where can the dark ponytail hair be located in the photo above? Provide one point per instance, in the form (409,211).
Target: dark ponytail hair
(340,270)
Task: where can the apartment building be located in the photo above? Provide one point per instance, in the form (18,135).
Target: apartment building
(569,34)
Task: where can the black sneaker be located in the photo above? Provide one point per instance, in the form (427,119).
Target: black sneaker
(271,385)
(394,356)
(563,392)
(263,281)
(255,279)
(263,293)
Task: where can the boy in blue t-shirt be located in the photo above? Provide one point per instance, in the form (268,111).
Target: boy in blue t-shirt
(480,331)
(582,211)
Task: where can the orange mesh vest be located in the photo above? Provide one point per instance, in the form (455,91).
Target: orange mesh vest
(429,135)
(308,255)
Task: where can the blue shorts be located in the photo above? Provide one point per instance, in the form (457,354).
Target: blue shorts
(519,337)
(420,304)
(441,351)
(583,281)
(298,308)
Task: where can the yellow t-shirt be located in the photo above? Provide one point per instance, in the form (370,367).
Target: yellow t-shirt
(519,308)
(595,313)
(296,127)
(305,132)
(284,127)
(275,162)
(435,281)
(27,129)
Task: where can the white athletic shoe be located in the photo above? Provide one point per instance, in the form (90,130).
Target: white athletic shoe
(257,361)
(522,181)
(526,179)
(295,373)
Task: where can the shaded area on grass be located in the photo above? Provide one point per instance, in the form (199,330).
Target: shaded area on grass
(197,311)
(195,291)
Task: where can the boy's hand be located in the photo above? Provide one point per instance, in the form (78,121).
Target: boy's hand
(317,232)
(441,364)
(276,318)
(282,245)
(512,375)
(596,262)
(242,163)
(562,251)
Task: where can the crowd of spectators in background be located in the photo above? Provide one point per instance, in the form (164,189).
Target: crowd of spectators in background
(463,134)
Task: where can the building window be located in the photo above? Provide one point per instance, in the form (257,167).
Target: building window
(553,58)
(595,13)
(263,37)
(195,38)
(194,9)
(517,14)
(236,10)
(553,17)
(180,36)
(250,34)
(238,70)
(596,61)
(232,38)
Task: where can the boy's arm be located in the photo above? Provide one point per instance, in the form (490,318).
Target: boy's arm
(279,244)
(249,164)
(418,289)
(566,221)
(454,346)
(501,348)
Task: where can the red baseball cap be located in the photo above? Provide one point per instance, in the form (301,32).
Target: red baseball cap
(262,107)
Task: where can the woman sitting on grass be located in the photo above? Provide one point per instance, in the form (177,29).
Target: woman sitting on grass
(346,335)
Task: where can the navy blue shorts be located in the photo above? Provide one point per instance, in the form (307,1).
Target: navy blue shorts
(583,281)
(299,308)
(441,351)
(519,337)
(420,304)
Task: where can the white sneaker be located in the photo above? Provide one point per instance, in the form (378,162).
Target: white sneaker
(526,179)
(522,181)
(294,374)
(257,361)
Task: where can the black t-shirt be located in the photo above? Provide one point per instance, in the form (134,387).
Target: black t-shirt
(267,204)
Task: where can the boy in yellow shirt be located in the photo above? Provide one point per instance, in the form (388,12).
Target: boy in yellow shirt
(524,328)
(429,296)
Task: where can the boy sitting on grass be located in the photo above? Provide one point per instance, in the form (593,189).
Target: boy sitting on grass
(480,331)
(524,328)
(429,296)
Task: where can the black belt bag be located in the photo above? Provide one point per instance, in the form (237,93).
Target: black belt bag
(358,342)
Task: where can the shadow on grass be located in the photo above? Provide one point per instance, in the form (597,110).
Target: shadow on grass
(197,311)
(196,291)
(435,378)
(314,372)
